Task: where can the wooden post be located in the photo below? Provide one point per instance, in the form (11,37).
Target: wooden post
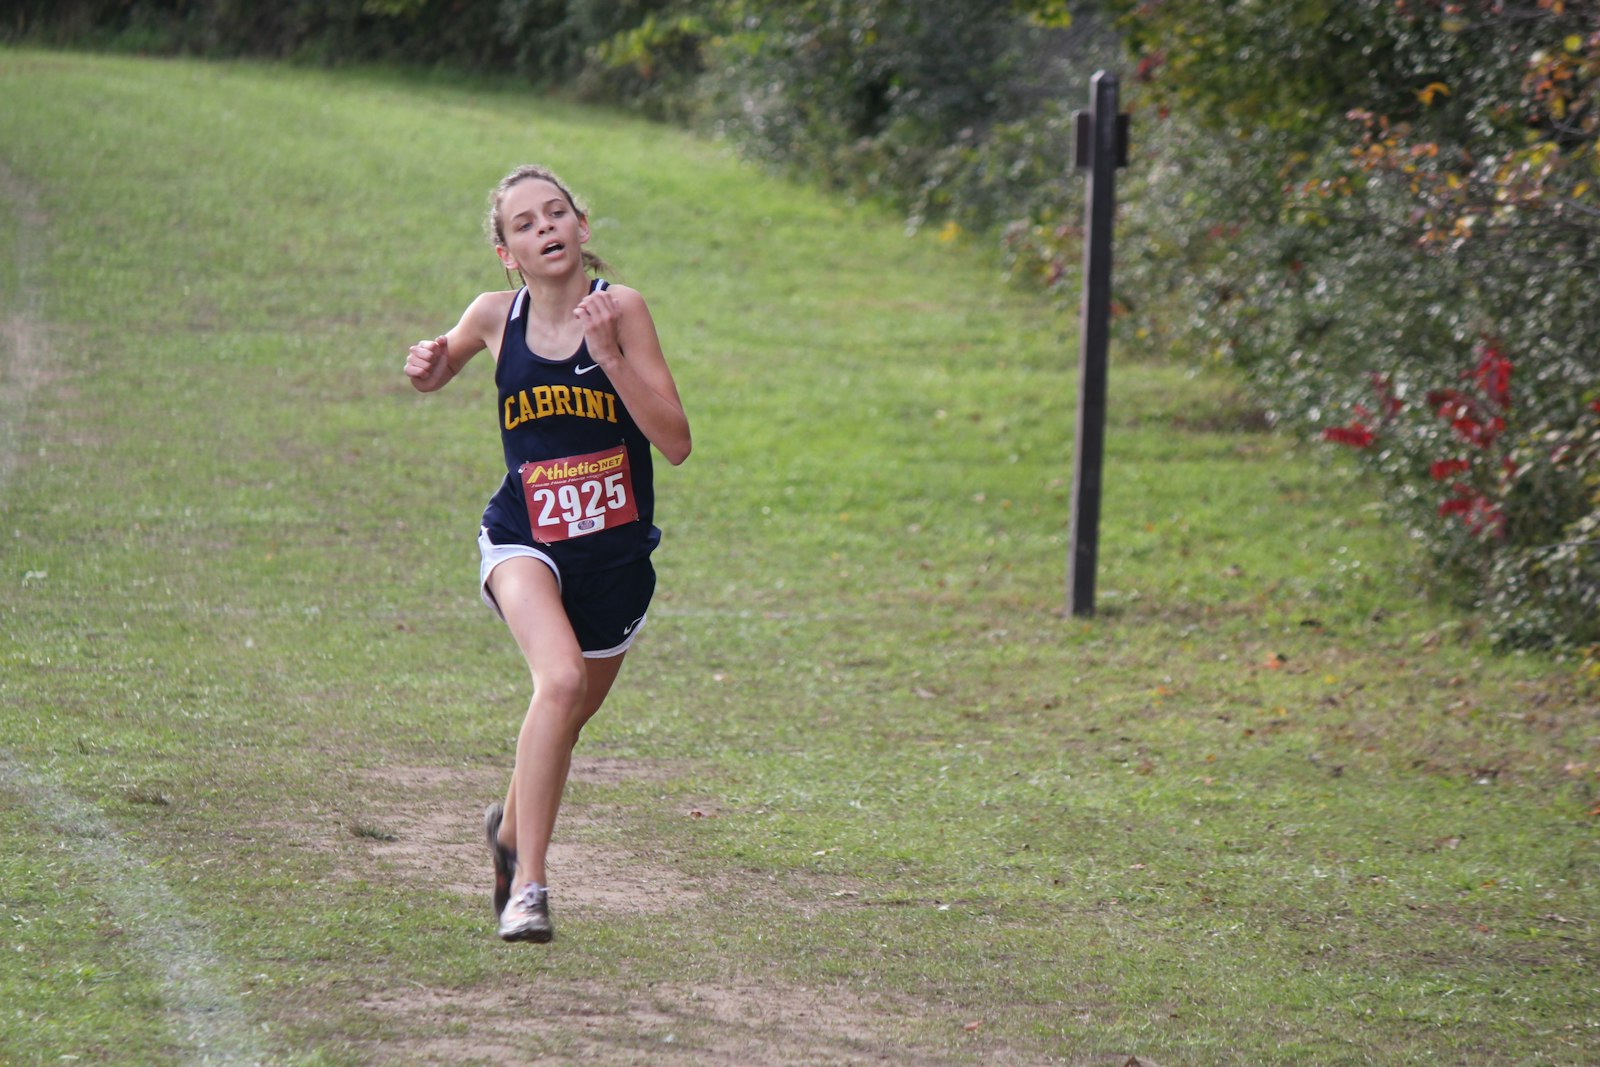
(1102,147)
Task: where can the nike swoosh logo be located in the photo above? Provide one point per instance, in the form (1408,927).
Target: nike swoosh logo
(585,370)
(628,629)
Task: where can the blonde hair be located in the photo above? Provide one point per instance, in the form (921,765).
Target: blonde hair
(495,227)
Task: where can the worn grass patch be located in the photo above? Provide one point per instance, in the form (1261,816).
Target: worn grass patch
(863,793)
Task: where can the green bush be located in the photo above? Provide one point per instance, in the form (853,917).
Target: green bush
(1391,223)
(947,109)
(653,66)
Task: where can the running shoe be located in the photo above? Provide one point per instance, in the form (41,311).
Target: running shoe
(527,916)
(504,858)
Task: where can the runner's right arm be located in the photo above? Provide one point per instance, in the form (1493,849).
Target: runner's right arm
(432,364)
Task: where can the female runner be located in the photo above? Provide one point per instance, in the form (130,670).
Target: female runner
(584,392)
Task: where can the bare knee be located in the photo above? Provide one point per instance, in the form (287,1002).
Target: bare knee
(563,687)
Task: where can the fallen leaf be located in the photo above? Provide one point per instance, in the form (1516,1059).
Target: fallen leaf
(973,1026)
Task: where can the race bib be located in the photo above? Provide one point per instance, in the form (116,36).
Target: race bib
(578,495)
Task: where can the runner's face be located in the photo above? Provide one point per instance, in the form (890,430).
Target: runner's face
(543,233)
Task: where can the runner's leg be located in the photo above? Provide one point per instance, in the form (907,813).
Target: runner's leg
(567,690)
(601,674)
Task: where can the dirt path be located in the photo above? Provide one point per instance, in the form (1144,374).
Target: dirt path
(433,847)
(745,1018)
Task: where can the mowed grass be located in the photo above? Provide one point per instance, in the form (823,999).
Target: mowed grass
(1271,805)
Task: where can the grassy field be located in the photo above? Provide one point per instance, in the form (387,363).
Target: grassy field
(863,793)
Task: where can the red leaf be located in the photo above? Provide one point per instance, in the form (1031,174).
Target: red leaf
(1493,375)
(1356,435)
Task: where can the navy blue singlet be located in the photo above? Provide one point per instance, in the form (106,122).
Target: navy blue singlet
(555,408)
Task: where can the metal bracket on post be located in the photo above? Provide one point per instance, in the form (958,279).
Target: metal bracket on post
(1102,147)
